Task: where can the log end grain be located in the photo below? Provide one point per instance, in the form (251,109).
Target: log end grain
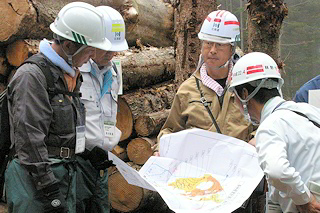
(123,196)
(139,150)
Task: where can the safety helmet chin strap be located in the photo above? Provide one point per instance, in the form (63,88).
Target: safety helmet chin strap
(245,102)
(69,56)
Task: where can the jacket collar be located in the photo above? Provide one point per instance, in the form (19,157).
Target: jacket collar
(269,106)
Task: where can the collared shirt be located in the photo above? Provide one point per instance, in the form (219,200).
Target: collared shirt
(210,82)
(288,146)
(99,94)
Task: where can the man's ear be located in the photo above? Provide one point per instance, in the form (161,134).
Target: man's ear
(67,46)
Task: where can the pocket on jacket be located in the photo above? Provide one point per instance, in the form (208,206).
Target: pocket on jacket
(63,118)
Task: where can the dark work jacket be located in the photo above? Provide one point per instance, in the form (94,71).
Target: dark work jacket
(38,121)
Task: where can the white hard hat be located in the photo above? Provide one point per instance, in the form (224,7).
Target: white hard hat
(115,28)
(220,26)
(256,66)
(82,23)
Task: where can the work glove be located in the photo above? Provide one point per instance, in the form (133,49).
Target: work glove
(53,200)
(99,159)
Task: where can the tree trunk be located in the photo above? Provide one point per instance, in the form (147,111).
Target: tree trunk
(31,19)
(264,24)
(151,99)
(147,67)
(189,15)
(124,119)
(150,124)
(139,150)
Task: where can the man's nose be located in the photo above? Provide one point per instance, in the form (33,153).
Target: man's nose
(213,49)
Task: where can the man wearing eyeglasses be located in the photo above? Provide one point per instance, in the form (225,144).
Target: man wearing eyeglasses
(203,101)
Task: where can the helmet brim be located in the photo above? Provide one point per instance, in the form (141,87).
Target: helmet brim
(104,45)
(212,38)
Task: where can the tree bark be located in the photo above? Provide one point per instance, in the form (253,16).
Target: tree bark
(150,124)
(264,25)
(31,19)
(151,21)
(147,67)
(189,15)
(150,99)
(124,119)
(139,150)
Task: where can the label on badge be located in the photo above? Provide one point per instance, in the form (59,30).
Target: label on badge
(272,207)
(80,139)
(109,128)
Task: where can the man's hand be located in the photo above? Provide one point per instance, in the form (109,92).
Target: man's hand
(99,159)
(252,142)
(312,207)
(155,150)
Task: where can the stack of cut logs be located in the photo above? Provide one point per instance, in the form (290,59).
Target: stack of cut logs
(148,71)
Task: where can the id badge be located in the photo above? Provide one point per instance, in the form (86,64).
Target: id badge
(272,207)
(109,128)
(80,139)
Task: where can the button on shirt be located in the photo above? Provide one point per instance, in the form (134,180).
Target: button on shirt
(288,146)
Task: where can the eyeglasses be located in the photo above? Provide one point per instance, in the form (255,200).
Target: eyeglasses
(218,46)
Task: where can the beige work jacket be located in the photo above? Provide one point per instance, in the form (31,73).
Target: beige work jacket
(187,111)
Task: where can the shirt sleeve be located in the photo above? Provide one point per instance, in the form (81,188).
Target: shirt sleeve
(279,173)
(31,114)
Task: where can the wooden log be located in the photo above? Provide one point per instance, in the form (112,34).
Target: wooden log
(151,21)
(32,45)
(140,68)
(124,119)
(120,152)
(150,124)
(151,99)
(147,67)
(17,18)
(139,149)
(124,197)
(31,19)
(17,52)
